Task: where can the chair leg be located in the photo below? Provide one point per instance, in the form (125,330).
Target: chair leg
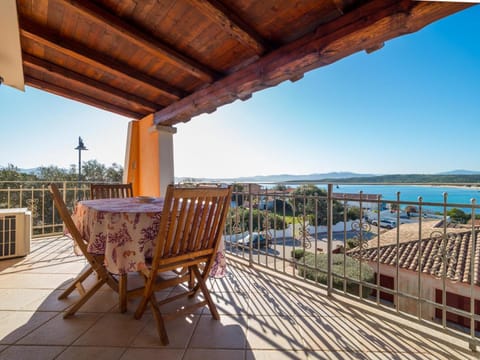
(79,279)
(159,320)
(71,311)
(191,281)
(142,306)
(206,293)
(122,292)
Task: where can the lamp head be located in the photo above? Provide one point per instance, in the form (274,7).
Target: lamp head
(81,145)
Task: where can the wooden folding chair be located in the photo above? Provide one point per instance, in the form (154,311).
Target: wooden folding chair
(106,191)
(190,232)
(95,261)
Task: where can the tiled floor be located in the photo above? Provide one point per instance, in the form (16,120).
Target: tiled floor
(262,317)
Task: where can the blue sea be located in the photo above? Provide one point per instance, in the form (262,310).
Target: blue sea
(459,197)
(429,194)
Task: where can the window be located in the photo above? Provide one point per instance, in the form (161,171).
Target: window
(458,302)
(386,282)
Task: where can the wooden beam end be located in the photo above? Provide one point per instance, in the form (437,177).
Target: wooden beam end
(374,48)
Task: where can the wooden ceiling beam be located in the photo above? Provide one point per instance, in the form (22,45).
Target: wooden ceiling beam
(73,95)
(231,24)
(61,72)
(144,40)
(363,28)
(93,58)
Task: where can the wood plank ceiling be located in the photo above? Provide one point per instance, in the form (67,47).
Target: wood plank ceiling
(181,58)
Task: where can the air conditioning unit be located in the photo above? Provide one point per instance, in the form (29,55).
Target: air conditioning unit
(15,232)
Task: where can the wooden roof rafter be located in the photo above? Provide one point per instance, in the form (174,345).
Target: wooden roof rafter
(74,95)
(89,56)
(178,59)
(232,24)
(63,73)
(144,40)
(361,29)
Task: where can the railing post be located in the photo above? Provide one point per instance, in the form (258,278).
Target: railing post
(20,196)
(472,343)
(250,224)
(65,192)
(329,239)
(65,201)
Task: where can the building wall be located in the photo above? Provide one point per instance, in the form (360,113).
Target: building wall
(408,283)
(142,164)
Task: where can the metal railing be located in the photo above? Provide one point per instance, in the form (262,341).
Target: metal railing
(423,263)
(417,258)
(35,196)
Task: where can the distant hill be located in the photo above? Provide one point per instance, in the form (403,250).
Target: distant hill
(280,178)
(33,171)
(450,177)
(460,172)
(413,179)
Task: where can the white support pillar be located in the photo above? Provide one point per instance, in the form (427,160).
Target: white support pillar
(165,156)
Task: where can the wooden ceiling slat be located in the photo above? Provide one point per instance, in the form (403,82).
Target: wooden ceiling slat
(69,75)
(95,59)
(369,25)
(144,40)
(231,24)
(137,56)
(73,95)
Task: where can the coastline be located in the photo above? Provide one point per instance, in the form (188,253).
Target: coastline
(472,187)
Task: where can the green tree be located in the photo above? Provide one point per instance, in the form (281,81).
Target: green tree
(353,213)
(411,209)
(238,220)
(279,206)
(311,200)
(458,215)
(394,207)
(114,173)
(93,171)
(54,173)
(11,173)
(280,187)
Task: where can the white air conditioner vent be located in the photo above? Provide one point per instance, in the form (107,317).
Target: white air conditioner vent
(15,232)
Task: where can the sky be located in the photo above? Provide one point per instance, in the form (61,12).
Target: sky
(411,107)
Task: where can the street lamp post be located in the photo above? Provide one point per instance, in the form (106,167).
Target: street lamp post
(80,147)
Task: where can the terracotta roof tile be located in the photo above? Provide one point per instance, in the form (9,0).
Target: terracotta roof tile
(451,253)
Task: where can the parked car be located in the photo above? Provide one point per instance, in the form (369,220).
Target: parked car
(385,223)
(258,240)
(388,223)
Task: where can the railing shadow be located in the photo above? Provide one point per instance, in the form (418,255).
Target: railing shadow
(306,320)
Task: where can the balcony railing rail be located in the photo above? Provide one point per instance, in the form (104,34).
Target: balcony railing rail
(34,196)
(417,258)
(414,256)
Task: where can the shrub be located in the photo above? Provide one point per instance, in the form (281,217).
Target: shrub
(352,271)
(352,243)
(298,253)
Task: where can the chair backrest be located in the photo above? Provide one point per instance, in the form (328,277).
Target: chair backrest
(68,221)
(107,191)
(191,225)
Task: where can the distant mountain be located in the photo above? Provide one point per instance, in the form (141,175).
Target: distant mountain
(33,171)
(412,179)
(450,177)
(460,172)
(280,178)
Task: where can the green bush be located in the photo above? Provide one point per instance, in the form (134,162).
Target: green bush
(352,271)
(298,253)
(352,243)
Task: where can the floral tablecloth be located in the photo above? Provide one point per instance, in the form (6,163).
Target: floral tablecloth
(124,230)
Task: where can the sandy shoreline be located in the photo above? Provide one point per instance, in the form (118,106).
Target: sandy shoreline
(472,187)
